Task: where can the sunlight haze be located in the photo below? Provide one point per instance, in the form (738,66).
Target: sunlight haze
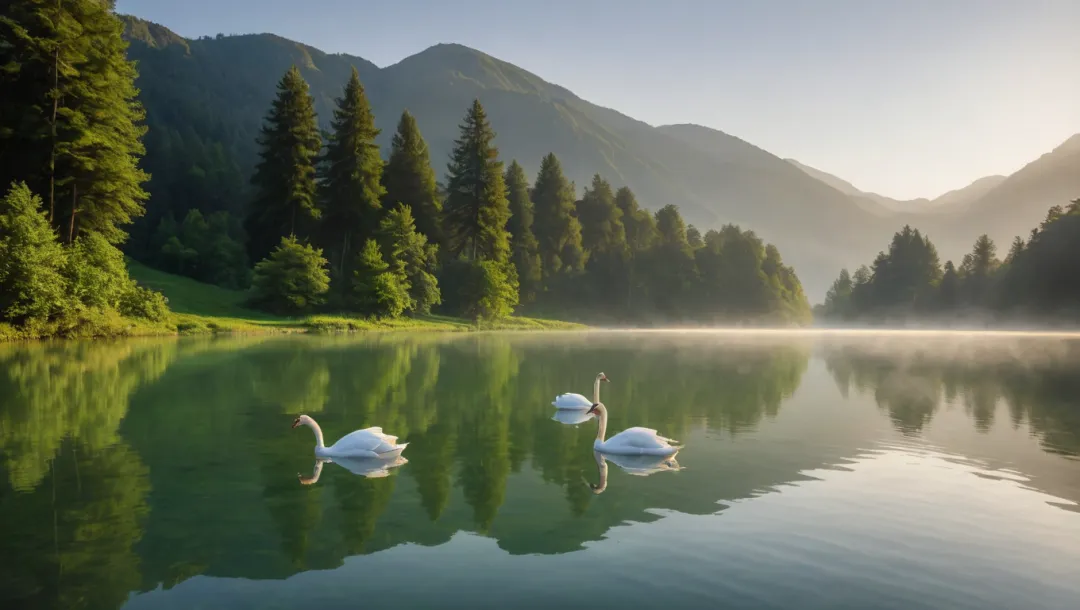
(907,99)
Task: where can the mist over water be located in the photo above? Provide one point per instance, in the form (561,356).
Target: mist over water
(820,469)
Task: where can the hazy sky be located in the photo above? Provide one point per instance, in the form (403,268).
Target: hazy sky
(908,98)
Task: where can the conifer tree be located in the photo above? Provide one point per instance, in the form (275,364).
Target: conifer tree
(476,206)
(284,180)
(557,230)
(639,224)
(72,125)
(377,287)
(525,250)
(351,176)
(409,179)
(412,257)
(601,220)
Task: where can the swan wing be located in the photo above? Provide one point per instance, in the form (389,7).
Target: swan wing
(643,438)
(358,441)
(572,401)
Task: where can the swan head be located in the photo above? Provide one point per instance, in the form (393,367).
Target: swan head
(602,377)
(599,406)
(303,420)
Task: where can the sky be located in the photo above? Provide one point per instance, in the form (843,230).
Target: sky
(907,98)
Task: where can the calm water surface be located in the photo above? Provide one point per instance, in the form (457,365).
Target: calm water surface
(827,472)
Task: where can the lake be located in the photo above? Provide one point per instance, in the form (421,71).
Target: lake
(818,471)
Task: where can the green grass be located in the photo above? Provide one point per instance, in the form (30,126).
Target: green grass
(203,308)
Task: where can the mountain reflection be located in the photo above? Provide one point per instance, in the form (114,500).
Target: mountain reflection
(133,465)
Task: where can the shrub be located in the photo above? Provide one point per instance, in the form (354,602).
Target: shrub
(292,280)
(378,289)
(31,260)
(96,272)
(139,302)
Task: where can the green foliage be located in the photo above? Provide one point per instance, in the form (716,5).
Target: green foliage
(139,302)
(378,288)
(525,249)
(284,203)
(476,206)
(72,124)
(557,229)
(292,280)
(208,249)
(32,285)
(96,274)
(601,220)
(409,179)
(1037,276)
(351,173)
(412,258)
(482,291)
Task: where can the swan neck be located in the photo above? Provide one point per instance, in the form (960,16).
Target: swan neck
(318,433)
(596,390)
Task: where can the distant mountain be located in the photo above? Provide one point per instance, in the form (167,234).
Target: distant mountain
(211,94)
(953,201)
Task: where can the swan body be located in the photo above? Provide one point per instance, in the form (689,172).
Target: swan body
(632,441)
(577,401)
(366,443)
(371,468)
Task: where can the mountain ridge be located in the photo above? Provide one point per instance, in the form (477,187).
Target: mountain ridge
(222,86)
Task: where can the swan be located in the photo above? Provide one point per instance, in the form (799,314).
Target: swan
(372,468)
(637,465)
(632,441)
(366,443)
(577,401)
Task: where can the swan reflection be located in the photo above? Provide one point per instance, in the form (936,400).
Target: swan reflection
(372,468)
(572,417)
(637,465)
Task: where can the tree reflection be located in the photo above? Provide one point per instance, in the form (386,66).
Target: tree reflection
(1037,383)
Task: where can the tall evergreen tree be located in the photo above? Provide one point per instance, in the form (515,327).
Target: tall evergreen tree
(351,176)
(601,220)
(525,250)
(409,179)
(639,224)
(476,206)
(285,196)
(72,125)
(557,230)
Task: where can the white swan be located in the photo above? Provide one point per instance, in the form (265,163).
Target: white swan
(372,468)
(632,441)
(577,401)
(366,443)
(637,465)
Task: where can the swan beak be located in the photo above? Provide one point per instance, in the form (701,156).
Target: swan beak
(296,422)
(593,409)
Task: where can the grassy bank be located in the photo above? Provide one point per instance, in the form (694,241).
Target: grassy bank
(203,308)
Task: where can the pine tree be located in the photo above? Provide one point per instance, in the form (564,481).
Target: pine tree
(601,220)
(476,206)
(291,280)
(72,125)
(557,230)
(351,176)
(409,179)
(377,287)
(693,237)
(525,250)
(284,180)
(639,224)
(412,257)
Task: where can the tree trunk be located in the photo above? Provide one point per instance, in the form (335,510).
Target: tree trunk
(52,129)
(74,201)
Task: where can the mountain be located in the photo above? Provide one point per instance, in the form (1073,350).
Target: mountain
(959,199)
(1020,202)
(206,99)
(953,201)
